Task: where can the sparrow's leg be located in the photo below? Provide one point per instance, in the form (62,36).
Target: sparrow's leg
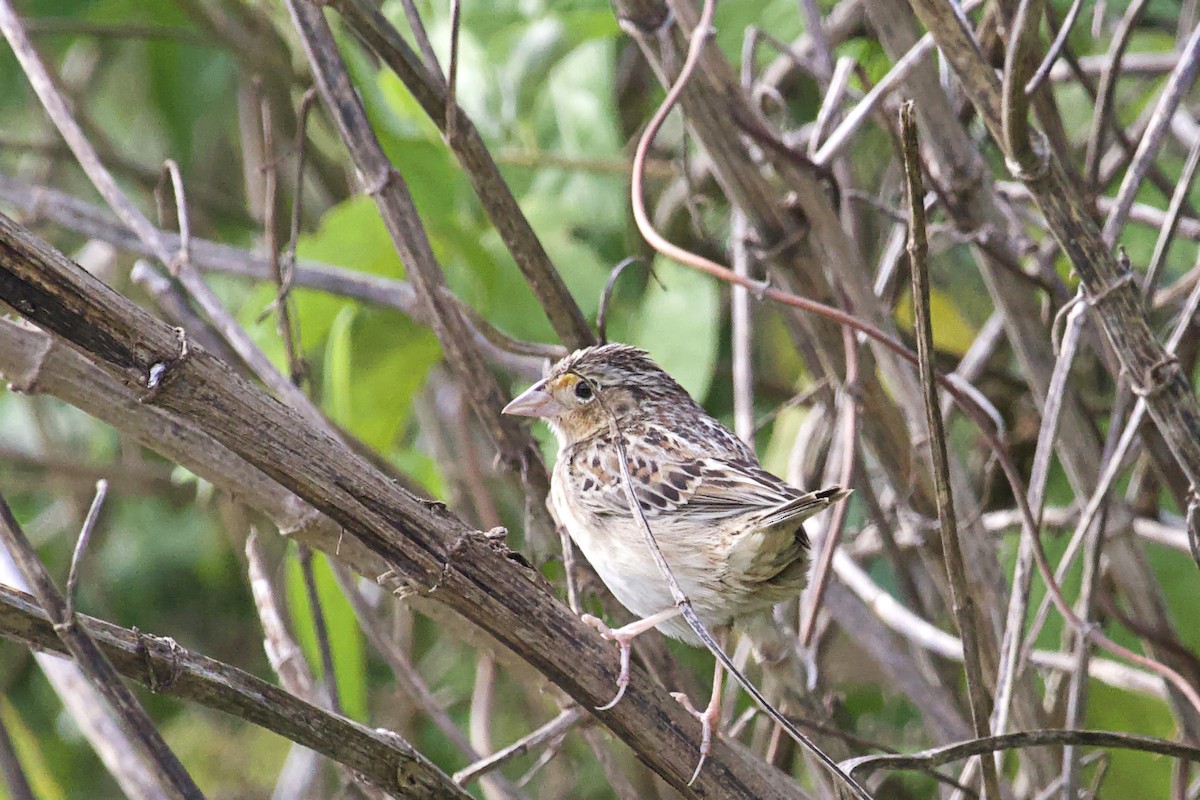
(709,718)
(624,637)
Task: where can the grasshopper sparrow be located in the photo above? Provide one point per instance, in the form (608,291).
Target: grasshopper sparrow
(730,531)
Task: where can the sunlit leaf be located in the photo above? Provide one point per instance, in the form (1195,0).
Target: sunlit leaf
(38,771)
(679,325)
(345,637)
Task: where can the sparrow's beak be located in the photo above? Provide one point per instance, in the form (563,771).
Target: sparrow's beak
(535,402)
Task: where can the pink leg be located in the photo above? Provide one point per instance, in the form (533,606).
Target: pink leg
(624,637)
(709,718)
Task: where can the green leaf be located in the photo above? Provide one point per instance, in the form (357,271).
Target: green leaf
(339,370)
(680,324)
(29,753)
(392,359)
(345,637)
(1130,773)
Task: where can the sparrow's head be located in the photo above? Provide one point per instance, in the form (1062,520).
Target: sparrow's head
(580,392)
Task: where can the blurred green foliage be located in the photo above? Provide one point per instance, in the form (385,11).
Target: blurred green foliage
(537,78)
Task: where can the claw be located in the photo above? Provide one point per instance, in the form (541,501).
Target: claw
(709,718)
(625,642)
(624,637)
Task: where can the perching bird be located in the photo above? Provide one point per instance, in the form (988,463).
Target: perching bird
(730,531)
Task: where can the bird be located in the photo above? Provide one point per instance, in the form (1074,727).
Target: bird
(730,531)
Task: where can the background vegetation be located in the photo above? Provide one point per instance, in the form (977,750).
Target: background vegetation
(560,95)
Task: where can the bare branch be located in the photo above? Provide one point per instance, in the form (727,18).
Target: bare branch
(85,535)
(954,752)
(160,663)
(964,604)
(142,738)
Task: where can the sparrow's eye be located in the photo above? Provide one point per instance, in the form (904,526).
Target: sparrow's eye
(583,390)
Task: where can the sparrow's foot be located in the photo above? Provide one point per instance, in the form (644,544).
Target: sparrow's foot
(624,637)
(709,719)
(625,642)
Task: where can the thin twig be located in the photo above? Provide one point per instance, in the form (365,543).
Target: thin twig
(320,628)
(831,103)
(741,333)
(385,758)
(143,739)
(1193,527)
(283,652)
(289,329)
(428,56)
(1078,690)
(813,24)
(543,735)
(837,519)
(85,536)
(1178,85)
(1055,49)
(1107,87)
(10,766)
(283,263)
(607,293)
(183,255)
(1018,606)
(956,571)
(1015,110)
(938,756)
(479,723)
(452,77)
(1166,233)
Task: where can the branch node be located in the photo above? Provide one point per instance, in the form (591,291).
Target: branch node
(1158,377)
(160,371)
(636,28)
(380,182)
(142,651)
(1023,173)
(1096,298)
(770,252)
(1193,524)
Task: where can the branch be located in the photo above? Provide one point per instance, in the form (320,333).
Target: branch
(63,624)
(960,593)
(40,203)
(493,191)
(390,193)
(937,756)
(159,663)
(1117,304)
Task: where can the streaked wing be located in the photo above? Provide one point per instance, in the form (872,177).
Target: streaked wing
(706,489)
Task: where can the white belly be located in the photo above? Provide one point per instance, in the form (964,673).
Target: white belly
(616,547)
